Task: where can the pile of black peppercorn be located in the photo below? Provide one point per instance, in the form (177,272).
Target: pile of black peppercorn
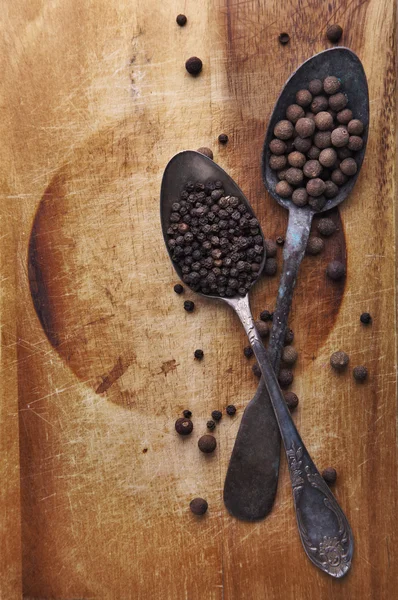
(313,151)
(215,240)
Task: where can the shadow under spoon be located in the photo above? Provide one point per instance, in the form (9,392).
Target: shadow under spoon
(324,530)
(252,475)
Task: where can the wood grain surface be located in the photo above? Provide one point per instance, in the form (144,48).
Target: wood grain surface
(96,349)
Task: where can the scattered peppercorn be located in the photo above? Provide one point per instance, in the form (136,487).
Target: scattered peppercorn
(326,227)
(199,354)
(189,305)
(223,138)
(291,400)
(256,370)
(187,414)
(334,33)
(194,65)
(248,351)
(284,38)
(329,475)
(216,415)
(339,360)
(360,373)
(178,288)
(183,426)
(266,315)
(181,20)
(211,425)
(289,337)
(365,318)
(314,245)
(285,377)
(280,240)
(231,410)
(335,270)
(207,443)
(206,151)
(198,506)
(289,355)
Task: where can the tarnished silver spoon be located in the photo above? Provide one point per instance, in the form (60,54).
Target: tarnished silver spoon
(251,481)
(323,527)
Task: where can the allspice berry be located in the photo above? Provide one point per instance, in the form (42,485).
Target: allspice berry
(305,127)
(303,98)
(181,20)
(277,147)
(338,177)
(284,38)
(198,506)
(355,143)
(355,127)
(334,33)
(283,130)
(294,112)
(300,197)
(328,157)
(207,443)
(331,85)
(270,248)
(302,144)
(284,189)
(291,400)
(360,373)
(319,103)
(323,120)
(206,151)
(335,270)
(344,152)
(281,174)
(317,203)
(329,475)
(315,187)
(289,337)
(223,139)
(289,355)
(312,169)
(276,162)
(296,159)
(294,176)
(315,86)
(339,360)
(194,65)
(348,166)
(340,136)
(314,245)
(271,267)
(262,328)
(285,378)
(344,116)
(338,101)
(331,189)
(326,227)
(183,426)
(323,139)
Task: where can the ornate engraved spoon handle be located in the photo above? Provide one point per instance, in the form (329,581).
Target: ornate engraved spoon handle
(324,530)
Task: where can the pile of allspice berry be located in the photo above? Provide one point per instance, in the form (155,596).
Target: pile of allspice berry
(314,148)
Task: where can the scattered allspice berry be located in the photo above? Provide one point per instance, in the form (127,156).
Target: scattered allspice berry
(365,318)
(284,38)
(198,506)
(360,373)
(256,370)
(183,426)
(199,354)
(262,328)
(329,475)
(339,360)
(189,305)
(291,400)
(248,351)
(289,355)
(206,151)
(194,65)
(326,227)
(178,288)
(187,413)
(271,266)
(223,138)
(216,415)
(285,378)
(181,20)
(270,248)
(266,315)
(289,337)
(207,443)
(334,33)
(231,410)
(211,425)
(314,245)
(335,270)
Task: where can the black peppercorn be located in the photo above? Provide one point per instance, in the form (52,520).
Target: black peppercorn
(216,415)
(183,426)
(365,318)
(256,370)
(284,38)
(181,20)
(198,506)
(189,305)
(285,377)
(360,373)
(207,443)
(248,351)
(223,138)
(266,315)
(178,288)
(330,475)
(194,65)
(199,354)
(187,414)
(211,425)
(231,410)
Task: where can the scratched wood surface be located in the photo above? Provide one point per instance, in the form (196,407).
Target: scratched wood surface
(96,349)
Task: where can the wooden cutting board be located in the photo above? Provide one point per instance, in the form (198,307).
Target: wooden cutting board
(97,351)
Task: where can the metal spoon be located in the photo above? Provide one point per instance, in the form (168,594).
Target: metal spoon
(252,475)
(323,527)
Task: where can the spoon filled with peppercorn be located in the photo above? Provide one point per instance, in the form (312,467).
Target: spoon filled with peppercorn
(313,152)
(206,219)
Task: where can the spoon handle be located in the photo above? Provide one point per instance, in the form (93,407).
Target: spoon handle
(297,234)
(324,530)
